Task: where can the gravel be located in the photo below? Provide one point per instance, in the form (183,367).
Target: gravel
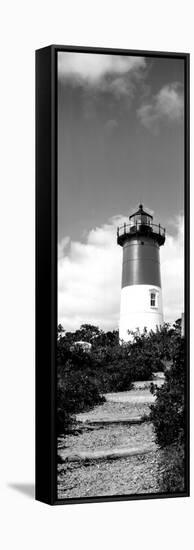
(123,476)
(126,476)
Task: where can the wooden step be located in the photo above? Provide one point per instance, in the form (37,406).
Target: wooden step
(111,421)
(105,454)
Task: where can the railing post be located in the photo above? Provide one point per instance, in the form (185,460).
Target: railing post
(124,227)
(159,228)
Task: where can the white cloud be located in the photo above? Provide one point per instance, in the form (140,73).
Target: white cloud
(93,67)
(89,278)
(106,73)
(172,268)
(61,247)
(166,105)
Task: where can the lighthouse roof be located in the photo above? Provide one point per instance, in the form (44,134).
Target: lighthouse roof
(142,212)
(140,225)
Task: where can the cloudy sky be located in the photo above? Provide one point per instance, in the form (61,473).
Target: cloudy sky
(120,141)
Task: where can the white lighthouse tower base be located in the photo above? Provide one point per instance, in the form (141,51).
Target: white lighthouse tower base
(141,306)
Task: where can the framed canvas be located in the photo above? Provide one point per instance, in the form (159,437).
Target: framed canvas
(112,274)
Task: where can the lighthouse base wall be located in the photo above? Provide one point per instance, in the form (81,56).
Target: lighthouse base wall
(137,311)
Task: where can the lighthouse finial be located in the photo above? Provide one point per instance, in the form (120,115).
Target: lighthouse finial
(141,206)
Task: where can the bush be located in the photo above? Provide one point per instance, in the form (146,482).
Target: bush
(77,390)
(111,367)
(173,462)
(168,417)
(168,413)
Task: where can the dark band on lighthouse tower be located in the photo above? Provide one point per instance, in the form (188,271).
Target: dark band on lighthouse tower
(141,293)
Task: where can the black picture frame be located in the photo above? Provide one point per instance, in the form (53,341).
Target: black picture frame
(46,269)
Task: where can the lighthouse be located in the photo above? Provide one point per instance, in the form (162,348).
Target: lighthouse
(141,293)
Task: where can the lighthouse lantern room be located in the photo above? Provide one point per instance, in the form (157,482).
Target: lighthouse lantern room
(141,293)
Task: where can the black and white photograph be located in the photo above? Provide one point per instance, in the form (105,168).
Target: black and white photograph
(122,368)
(96,292)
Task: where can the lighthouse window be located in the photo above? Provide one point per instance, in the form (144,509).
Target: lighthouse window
(153,299)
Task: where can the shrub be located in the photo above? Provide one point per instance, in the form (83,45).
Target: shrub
(111,367)
(173,465)
(168,417)
(77,390)
(168,413)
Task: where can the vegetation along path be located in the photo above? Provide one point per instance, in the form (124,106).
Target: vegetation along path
(113,450)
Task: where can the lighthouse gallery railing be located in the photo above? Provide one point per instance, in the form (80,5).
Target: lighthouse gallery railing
(138,227)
